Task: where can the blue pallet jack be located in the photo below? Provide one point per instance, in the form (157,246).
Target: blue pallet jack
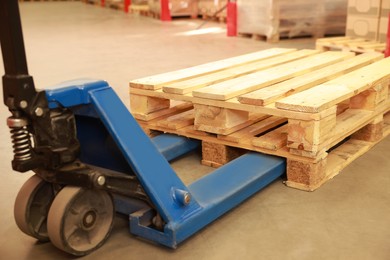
(92,159)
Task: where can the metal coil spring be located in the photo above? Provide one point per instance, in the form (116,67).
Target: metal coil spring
(22,143)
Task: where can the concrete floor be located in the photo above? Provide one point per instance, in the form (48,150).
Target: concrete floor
(348,218)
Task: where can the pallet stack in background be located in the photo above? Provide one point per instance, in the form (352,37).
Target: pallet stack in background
(176,7)
(194,8)
(207,9)
(384,20)
(368,19)
(275,19)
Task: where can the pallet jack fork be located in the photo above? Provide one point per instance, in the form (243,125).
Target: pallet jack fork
(91,158)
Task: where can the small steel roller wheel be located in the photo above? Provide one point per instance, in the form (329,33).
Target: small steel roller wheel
(80,220)
(32,206)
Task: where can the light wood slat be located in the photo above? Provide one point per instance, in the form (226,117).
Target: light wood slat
(157,81)
(342,156)
(273,140)
(242,85)
(333,92)
(351,41)
(374,46)
(178,121)
(367,43)
(286,88)
(164,112)
(333,39)
(347,40)
(223,121)
(186,86)
(253,130)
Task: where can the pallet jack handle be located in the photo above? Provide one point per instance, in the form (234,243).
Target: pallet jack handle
(18,86)
(12,44)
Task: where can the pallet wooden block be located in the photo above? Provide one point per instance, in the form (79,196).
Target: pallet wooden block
(319,110)
(216,155)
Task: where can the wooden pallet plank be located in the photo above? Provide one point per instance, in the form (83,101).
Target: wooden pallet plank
(232,88)
(363,44)
(337,90)
(186,86)
(273,140)
(223,121)
(178,121)
(139,8)
(333,39)
(286,88)
(253,130)
(347,42)
(343,155)
(164,112)
(157,81)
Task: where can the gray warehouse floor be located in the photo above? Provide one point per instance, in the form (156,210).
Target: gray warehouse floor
(347,218)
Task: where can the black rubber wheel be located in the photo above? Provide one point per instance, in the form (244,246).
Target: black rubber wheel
(80,220)
(32,206)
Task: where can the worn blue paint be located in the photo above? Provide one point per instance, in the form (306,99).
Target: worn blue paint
(97,106)
(73,93)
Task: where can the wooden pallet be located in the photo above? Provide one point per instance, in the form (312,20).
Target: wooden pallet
(140,9)
(218,18)
(212,10)
(115,4)
(177,8)
(320,110)
(259,37)
(347,43)
(92,2)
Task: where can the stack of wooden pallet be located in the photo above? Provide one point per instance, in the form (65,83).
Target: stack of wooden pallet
(366,30)
(115,4)
(140,8)
(320,110)
(357,45)
(368,19)
(208,8)
(176,7)
(281,18)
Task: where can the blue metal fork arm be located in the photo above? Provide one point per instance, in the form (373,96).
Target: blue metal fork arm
(212,195)
(217,193)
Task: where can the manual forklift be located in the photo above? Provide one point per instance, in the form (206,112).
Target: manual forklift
(90,159)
